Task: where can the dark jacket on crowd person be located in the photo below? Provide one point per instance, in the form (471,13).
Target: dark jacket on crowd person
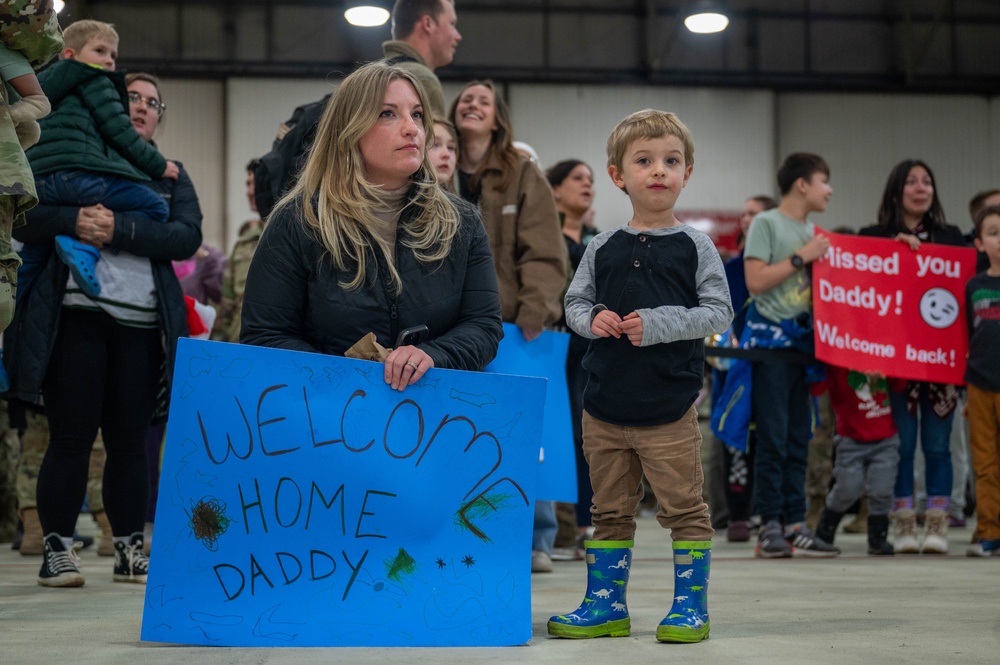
(456,299)
(31,337)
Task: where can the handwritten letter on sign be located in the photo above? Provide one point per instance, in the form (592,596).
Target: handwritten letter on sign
(879,306)
(305,503)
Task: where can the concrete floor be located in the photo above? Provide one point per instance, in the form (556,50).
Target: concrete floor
(853,609)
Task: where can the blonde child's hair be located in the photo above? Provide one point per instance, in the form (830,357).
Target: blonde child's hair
(77,34)
(648,124)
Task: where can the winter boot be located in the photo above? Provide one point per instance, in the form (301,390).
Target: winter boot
(878,531)
(105,547)
(905,541)
(826,529)
(603,611)
(32,544)
(131,564)
(936,532)
(687,620)
(82,262)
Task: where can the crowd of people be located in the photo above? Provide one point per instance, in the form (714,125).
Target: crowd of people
(384,211)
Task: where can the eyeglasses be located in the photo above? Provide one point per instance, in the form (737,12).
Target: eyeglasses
(152,104)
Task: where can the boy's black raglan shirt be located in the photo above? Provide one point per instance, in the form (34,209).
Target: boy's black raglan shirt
(674,279)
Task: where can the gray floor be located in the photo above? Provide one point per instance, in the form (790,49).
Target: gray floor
(853,609)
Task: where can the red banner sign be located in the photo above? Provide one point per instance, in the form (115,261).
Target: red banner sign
(879,306)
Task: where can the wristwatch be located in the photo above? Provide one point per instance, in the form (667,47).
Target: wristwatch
(797,261)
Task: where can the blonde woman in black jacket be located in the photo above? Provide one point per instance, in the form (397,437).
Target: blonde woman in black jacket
(368,242)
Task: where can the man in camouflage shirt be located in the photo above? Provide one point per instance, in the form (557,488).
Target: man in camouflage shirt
(234,278)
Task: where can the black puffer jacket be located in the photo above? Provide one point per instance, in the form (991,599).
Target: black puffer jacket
(30,339)
(293,299)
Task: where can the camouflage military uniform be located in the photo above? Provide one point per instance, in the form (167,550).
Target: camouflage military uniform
(30,28)
(8,474)
(234,283)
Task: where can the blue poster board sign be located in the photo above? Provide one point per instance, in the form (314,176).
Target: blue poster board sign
(545,357)
(305,503)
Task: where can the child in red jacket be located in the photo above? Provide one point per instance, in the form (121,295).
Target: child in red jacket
(867,453)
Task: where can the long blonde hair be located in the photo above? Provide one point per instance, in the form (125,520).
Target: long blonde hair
(335,200)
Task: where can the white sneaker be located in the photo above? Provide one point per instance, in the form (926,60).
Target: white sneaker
(936,532)
(540,562)
(905,524)
(977,550)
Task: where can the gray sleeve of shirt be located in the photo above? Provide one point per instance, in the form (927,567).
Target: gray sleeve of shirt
(714,313)
(580,303)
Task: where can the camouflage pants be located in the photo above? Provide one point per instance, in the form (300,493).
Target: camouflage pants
(9,262)
(819,467)
(8,473)
(34,443)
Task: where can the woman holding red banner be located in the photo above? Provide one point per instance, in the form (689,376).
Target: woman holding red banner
(911,213)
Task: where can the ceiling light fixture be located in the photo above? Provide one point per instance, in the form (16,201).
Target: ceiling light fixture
(706,17)
(367,16)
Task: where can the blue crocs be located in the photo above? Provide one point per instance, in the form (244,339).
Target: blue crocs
(82,262)
(687,620)
(603,610)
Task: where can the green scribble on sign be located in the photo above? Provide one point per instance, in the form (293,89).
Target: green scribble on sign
(482,508)
(400,565)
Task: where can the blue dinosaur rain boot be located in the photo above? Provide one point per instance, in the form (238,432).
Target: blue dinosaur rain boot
(687,620)
(603,611)
(82,262)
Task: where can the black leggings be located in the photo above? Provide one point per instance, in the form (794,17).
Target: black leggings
(101,375)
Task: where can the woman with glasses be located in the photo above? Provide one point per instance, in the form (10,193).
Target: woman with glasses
(99,362)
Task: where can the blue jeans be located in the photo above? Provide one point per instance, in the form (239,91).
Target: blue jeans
(935,438)
(87,188)
(780,399)
(543,534)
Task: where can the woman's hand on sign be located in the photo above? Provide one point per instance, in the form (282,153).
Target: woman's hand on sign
(405,365)
(910,239)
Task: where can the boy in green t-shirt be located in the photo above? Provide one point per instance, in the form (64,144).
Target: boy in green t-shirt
(780,244)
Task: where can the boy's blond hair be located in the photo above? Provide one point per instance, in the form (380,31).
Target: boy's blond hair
(648,124)
(77,34)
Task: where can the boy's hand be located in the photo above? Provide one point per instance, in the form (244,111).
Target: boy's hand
(607,324)
(632,326)
(814,249)
(171,171)
(910,239)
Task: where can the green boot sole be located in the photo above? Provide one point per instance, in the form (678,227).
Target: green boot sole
(617,628)
(681,634)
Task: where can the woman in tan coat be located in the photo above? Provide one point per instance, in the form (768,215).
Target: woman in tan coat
(518,210)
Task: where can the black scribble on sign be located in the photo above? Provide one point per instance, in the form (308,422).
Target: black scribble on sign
(267,619)
(207,637)
(216,619)
(156,597)
(468,561)
(208,521)
(239,368)
(474,399)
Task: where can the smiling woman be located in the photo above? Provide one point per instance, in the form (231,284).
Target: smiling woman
(367,242)
(911,213)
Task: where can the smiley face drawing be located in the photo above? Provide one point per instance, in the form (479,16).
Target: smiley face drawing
(938,308)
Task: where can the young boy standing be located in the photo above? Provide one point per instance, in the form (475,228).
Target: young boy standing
(867,446)
(646,294)
(982,373)
(780,245)
(89,153)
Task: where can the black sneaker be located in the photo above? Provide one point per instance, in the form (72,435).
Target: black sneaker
(806,543)
(771,543)
(131,563)
(60,566)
